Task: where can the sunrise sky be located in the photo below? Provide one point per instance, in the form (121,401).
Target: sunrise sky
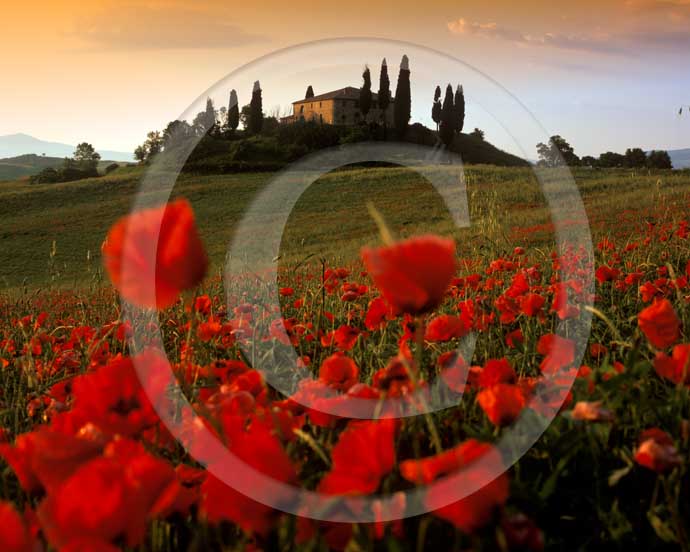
(604,74)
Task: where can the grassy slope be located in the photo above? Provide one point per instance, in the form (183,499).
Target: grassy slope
(12,168)
(330,220)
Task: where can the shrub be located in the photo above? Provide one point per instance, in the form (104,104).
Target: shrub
(310,134)
(66,173)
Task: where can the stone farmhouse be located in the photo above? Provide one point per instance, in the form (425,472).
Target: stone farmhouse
(339,107)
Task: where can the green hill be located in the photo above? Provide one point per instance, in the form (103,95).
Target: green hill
(283,144)
(29,164)
(473,150)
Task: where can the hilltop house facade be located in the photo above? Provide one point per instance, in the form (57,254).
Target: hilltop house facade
(339,107)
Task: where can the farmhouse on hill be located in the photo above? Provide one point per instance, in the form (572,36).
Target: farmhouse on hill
(339,107)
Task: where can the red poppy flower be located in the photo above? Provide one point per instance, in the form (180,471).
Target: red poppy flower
(558,351)
(508,307)
(413,275)
(106,497)
(606,274)
(258,447)
(532,303)
(482,461)
(364,454)
(454,371)
(346,336)
(339,372)
(113,399)
(659,322)
(44,458)
(676,367)
(312,396)
(395,377)
(202,305)
(657,452)
(14,535)
(502,403)
(377,314)
(153,255)
(445,327)
(497,371)
(476,510)
(209,329)
(519,286)
(591,412)
(425,470)
(514,338)
(94,502)
(181,493)
(597,350)
(560,303)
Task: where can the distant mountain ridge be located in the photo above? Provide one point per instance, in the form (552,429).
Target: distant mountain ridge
(680,158)
(14,145)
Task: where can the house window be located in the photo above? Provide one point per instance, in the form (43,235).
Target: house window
(319,104)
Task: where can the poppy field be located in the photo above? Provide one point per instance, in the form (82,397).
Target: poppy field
(380,391)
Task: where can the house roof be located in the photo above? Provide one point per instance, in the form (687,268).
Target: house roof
(347,93)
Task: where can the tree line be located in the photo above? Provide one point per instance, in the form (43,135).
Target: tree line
(402,101)
(448,112)
(558,150)
(217,123)
(224,123)
(82,164)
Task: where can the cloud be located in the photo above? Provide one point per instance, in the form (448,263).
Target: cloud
(667,40)
(487,30)
(155,26)
(592,43)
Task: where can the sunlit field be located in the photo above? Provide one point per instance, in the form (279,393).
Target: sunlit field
(86,463)
(52,233)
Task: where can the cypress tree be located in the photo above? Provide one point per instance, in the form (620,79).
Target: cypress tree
(436,109)
(447,127)
(309,93)
(403,99)
(256,114)
(365,93)
(208,119)
(233,112)
(459,109)
(384,92)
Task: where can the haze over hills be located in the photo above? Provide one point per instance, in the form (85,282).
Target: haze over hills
(680,158)
(13,145)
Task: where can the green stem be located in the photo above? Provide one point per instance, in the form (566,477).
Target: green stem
(419,358)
